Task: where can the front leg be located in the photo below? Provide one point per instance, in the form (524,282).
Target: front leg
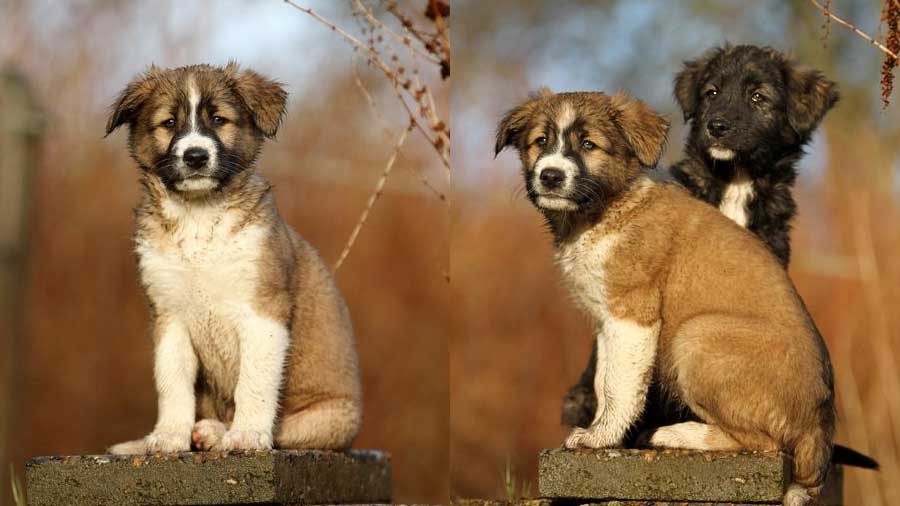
(175,372)
(264,343)
(626,352)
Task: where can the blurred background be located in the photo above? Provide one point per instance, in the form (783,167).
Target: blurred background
(517,342)
(75,353)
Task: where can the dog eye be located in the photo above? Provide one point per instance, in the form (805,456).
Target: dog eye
(757,97)
(169,123)
(541,141)
(219,120)
(588,145)
(711,92)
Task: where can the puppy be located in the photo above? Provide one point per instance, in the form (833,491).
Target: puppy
(253,342)
(752,110)
(679,293)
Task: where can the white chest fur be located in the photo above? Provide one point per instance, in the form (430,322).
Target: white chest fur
(204,273)
(736,197)
(583,264)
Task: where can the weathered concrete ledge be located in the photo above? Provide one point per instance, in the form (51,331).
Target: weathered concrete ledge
(670,477)
(210,478)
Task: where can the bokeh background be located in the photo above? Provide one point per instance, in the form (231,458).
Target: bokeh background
(518,343)
(75,374)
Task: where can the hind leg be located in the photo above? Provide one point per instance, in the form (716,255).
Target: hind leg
(326,425)
(207,434)
(693,436)
(812,455)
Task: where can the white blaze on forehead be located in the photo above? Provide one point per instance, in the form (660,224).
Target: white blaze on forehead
(723,154)
(195,139)
(557,159)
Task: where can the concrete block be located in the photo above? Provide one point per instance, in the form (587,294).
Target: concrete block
(210,478)
(668,477)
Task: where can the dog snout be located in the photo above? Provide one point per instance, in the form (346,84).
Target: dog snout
(552,178)
(196,157)
(718,127)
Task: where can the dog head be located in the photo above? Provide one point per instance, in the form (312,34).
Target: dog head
(743,99)
(197,127)
(579,150)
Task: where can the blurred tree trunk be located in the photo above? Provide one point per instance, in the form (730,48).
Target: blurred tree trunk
(20,127)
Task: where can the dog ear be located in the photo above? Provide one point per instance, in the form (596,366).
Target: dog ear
(687,82)
(515,123)
(644,129)
(264,98)
(129,102)
(809,96)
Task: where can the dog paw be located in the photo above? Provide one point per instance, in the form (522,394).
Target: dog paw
(588,438)
(796,495)
(246,440)
(579,438)
(208,434)
(168,442)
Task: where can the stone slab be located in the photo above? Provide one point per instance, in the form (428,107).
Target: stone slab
(670,477)
(210,478)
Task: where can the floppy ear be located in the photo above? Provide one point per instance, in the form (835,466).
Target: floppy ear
(264,98)
(809,96)
(644,129)
(515,123)
(512,127)
(125,108)
(688,81)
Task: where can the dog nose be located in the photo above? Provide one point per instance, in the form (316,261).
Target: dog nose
(718,127)
(196,157)
(552,178)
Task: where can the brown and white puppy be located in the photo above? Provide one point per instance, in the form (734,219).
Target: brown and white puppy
(678,291)
(253,342)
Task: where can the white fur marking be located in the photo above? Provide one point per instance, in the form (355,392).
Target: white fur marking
(736,196)
(626,350)
(196,184)
(194,139)
(687,435)
(723,154)
(557,160)
(796,495)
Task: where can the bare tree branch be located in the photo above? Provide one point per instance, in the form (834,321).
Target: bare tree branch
(379,187)
(853,28)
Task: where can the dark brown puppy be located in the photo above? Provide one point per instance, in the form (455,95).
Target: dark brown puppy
(751,111)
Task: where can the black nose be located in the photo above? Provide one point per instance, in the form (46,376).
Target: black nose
(552,178)
(196,157)
(718,127)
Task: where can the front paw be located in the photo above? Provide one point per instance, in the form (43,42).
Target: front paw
(237,439)
(587,438)
(164,441)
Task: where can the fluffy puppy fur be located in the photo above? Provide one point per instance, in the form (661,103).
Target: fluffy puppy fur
(253,342)
(680,294)
(751,111)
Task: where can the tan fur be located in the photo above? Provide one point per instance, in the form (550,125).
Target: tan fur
(735,342)
(186,241)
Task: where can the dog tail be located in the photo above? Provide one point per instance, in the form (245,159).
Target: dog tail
(136,447)
(851,457)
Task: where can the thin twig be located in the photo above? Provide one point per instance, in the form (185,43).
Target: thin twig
(379,186)
(386,129)
(441,147)
(406,41)
(853,28)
